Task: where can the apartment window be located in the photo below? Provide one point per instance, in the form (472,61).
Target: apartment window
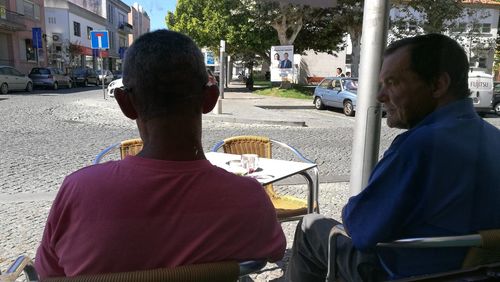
(121,18)
(30,51)
(3,12)
(111,40)
(28,9)
(76,29)
(461,27)
(122,42)
(52,20)
(482,62)
(486,28)
(89,29)
(111,11)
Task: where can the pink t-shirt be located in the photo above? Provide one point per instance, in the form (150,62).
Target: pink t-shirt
(139,214)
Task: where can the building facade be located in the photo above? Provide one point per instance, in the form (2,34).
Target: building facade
(140,20)
(477,31)
(22,40)
(64,27)
(119,28)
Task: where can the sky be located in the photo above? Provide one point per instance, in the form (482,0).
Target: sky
(156,9)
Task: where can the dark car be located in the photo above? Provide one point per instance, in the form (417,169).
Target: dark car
(495,102)
(50,77)
(337,92)
(117,75)
(84,76)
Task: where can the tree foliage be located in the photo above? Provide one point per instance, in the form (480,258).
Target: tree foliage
(251,27)
(430,15)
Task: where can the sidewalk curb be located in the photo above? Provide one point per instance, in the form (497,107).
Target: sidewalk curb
(227,118)
(285,107)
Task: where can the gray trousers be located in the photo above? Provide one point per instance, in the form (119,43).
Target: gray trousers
(309,259)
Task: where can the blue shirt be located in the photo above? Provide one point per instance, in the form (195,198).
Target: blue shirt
(440,178)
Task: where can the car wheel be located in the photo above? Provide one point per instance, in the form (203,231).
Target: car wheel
(29,87)
(4,89)
(497,109)
(56,86)
(318,104)
(348,108)
(85,83)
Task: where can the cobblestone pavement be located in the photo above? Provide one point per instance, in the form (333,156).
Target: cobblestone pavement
(49,135)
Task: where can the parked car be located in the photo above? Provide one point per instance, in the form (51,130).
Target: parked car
(113,85)
(84,76)
(337,92)
(117,75)
(495,102)
(106,74)
(50,77)
(12,79)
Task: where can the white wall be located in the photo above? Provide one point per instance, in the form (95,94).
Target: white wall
(82,39)
(61,25)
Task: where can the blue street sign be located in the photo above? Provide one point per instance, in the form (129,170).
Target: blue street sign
(99,39)
(36,33)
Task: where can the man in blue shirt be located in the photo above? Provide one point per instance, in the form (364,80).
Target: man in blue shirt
(286,63)
(439,178)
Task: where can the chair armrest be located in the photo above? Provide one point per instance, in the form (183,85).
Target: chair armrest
(295,151)
(332,239)
(251,266)
(21,264)
(473,240)
(104,152)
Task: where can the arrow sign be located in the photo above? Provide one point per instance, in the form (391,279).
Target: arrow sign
(99,39)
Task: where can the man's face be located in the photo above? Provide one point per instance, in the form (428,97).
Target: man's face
(286,56)
(407,98)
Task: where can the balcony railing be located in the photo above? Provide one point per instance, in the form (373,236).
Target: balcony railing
(126,27)
(10,20)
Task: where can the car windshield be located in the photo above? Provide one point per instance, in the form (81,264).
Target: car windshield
(40,71)
(78,71)
(351,84)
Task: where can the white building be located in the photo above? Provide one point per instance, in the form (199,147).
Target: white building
(476,31)
(139,18)
(68,27)
(119,28)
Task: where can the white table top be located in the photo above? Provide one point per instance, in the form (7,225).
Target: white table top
(270,170)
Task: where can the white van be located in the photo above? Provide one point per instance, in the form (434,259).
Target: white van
(481,87)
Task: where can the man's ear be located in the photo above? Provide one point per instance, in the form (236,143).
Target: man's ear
(125,103)
(441,85)
(210,97)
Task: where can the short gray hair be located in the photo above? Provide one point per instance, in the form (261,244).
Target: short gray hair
(165,72)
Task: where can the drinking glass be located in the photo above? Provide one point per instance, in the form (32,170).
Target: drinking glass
(250,162)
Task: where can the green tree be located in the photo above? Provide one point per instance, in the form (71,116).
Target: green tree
(250,28)
(349,14)
(209,21)
(429,15)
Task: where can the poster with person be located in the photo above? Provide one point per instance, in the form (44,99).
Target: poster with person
(281,63)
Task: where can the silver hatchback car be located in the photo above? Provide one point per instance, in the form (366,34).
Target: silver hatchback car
(12,79)
(50,77)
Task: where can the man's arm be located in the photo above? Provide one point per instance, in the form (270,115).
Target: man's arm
(388,202)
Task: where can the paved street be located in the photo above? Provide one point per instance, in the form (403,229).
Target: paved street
(47,135)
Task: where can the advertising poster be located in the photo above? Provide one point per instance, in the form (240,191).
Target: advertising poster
(209,58)
(282,63)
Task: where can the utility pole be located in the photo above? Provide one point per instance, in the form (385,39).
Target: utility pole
(218,106)
(368,111)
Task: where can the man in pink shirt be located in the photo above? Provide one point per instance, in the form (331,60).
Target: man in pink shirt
(168,205)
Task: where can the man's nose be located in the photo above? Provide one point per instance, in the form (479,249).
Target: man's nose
(381,95)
